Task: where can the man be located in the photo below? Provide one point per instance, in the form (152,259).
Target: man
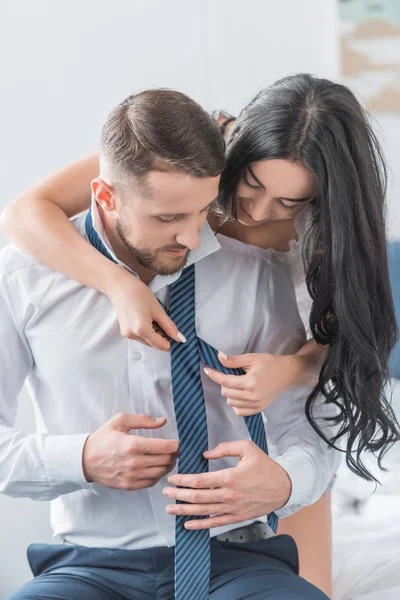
(113,507)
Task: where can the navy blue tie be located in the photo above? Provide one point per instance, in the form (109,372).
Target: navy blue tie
(192,548)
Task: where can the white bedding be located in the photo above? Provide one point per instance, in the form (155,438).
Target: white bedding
(366,531)
(366,562)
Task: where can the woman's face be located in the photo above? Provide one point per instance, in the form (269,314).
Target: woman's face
(273,190)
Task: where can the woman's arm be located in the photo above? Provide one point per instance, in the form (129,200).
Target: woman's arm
(311,528)
(309,361)
(38,222)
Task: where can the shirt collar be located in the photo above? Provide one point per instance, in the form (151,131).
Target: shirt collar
(208,245)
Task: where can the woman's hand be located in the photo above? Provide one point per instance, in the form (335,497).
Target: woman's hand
(139,313)
(266,377)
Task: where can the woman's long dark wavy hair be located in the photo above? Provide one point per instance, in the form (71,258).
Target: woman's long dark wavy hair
(321,125)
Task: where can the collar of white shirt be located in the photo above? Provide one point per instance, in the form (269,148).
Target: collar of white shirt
(208,244)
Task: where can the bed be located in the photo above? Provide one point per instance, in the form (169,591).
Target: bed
(366,529)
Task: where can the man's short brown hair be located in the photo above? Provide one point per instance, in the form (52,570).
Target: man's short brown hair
(160,130)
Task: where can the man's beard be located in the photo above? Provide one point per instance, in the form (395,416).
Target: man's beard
(148,258)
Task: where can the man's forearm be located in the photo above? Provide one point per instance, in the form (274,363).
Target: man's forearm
(310,472)
(40,466)
(299,449)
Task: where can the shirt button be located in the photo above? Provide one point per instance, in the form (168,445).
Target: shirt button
(137,356)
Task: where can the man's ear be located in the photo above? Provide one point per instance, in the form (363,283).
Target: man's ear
(104,193)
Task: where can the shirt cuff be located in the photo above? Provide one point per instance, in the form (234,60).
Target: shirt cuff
(301,472)
(63,461)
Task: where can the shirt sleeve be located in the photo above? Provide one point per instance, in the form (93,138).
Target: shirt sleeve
(293,443)
(297,447)
(32,465)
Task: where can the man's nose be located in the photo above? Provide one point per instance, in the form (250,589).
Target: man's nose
(189,236)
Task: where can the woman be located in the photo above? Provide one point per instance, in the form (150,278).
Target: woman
(304,178)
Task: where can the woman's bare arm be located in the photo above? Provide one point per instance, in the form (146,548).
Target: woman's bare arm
(310,360)
(38,223)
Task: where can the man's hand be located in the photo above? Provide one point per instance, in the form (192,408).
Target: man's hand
(116,459)
(255,487)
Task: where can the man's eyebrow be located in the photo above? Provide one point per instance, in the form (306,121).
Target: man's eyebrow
(183,214)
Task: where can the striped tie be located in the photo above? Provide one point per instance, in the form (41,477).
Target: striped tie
(192,548)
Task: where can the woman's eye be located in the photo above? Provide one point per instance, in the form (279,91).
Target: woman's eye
(286,207)
(252,187)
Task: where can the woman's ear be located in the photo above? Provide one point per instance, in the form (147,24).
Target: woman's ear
(104,193)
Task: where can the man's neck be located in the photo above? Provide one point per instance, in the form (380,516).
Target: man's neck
(121,251)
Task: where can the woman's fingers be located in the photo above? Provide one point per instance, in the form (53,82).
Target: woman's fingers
(167,326)
(236,394)
(251,405)
(226,381)
(156,339)
(246,412)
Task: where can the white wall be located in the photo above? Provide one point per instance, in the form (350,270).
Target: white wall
(65,64)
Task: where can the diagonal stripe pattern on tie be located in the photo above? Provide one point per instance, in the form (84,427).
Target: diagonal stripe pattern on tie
(192,548)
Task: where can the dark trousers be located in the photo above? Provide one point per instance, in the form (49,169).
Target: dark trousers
(261,570)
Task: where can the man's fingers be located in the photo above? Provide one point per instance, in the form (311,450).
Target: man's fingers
(228,381)
(158,460)
(238,448)
(127,421)
(216,521)
(196,496)
(215,479)
(142,445)
(152,473)
(196,509)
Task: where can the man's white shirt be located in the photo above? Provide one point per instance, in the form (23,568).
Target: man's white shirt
(63,340)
